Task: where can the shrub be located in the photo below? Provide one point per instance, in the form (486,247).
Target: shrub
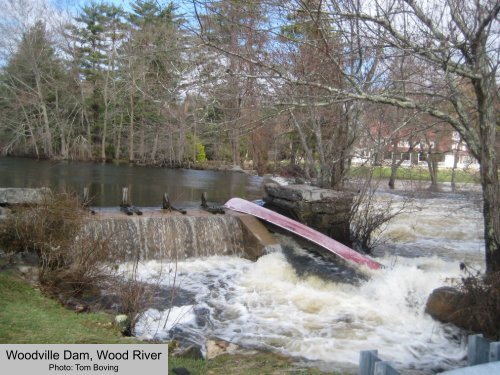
(369,216)
(481,304)
(50,230)
(45,229)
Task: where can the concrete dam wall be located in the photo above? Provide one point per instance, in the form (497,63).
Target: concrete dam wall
(177,237)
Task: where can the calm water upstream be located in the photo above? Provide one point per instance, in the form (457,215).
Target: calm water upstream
(146,185)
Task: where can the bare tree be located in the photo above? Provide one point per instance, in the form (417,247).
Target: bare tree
(457,43)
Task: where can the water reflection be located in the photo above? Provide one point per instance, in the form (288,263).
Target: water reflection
(146,184)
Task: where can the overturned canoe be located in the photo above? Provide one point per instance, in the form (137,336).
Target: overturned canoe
(241,205)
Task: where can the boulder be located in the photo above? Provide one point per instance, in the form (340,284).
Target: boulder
(443,303)
(123,323)
(216,348)
(327,211)
(13,196)
(302,192)
(449,305)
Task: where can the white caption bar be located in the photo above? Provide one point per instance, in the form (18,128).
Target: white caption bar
(88,359)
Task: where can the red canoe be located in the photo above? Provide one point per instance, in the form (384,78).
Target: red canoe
(241,205)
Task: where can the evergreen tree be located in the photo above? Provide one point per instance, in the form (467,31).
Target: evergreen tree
(29,83)
(98,36)
(153,67)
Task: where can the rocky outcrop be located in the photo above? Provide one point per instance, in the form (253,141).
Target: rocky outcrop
(215,348)
(450,305)
(325,210)
(443,303)
(14,196)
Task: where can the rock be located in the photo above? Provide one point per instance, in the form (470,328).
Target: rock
(216,348)
(191,351)
(236,168)
(30,273)
(75,305)
(4,212)
(327,211)
(302,192)
(448,305)
(442,303)
(12,196)
(123,323)
(181,371)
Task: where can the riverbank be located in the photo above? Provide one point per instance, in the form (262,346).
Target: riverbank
(29,317)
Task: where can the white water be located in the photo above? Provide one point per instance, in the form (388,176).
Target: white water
(265,304)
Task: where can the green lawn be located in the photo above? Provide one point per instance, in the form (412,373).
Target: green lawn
(27,316)
(419,173)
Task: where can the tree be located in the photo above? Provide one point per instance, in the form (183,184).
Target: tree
(456,43)
(29,81)
(233,25)
(152,69)
(461,52)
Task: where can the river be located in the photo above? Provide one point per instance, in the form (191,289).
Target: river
(284,302)
(146,184)
(274,304)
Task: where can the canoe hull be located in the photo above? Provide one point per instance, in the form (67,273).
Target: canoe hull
(341,250)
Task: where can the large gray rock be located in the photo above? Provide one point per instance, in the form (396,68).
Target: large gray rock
(305,193)
(327,211)
(450,305)
(12,196)
(443,303)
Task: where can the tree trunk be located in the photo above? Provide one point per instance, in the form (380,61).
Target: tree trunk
(338,171)
(32,134)
(142,143)
(432,165)
(456,155)
(105,119)
(155,146)
(394,167)
(491,213)
(119,138)
(489,175)
(131,130)
(47,133)
(309,167)
(235,146)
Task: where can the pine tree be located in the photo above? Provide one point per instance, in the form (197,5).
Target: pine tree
(29,81)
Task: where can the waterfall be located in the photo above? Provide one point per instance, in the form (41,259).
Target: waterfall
(170,237)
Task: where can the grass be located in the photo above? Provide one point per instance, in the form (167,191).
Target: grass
(29,317)
(242,364)
(419,173)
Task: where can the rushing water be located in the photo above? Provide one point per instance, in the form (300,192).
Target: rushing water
(277,305)
(146,185)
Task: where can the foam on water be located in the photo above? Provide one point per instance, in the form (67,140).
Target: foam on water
(268,304)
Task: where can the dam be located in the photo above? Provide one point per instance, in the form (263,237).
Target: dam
(172,236)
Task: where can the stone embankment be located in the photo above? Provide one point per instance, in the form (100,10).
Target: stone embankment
(16,196)
(327,211)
